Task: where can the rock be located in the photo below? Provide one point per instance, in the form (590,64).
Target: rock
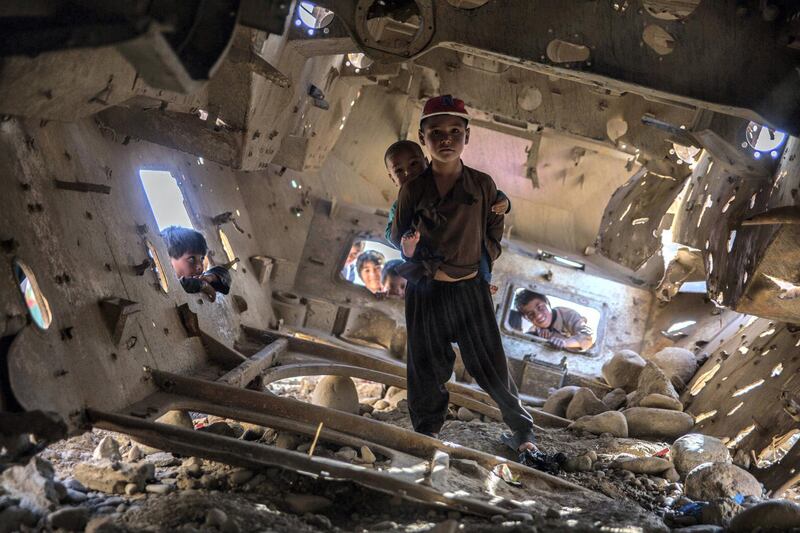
(74,496)
(653,380)
(642,465)
(217,518)
(32,484)
(103,524)
(365,408)
(615,399)
(591,454)
(107,449)
(240,476)
(612,422)
(193,466)
(741,459)
(287,441)
(771,515)
(113,477)
(367,456)
(223,429)
(306,503)
(695,449)
(671,475)
(395,395)
(720,480)
(381,404)
(719,512)
(383,526)
(158,488)
(584,403)
(622,371)
(660,401)
(519,516)
(134,454)
(13,517)
(582,463)
(465,415)
(346,453)
(69,518)
(657,423)
(74,484)
(557,403)
(162,459)
(176,418)
(131,489)
(678,364)
(336,392)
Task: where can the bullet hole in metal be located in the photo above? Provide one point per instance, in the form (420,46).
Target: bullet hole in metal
(131,342)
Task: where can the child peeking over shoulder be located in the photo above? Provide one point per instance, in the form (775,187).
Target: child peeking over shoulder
(187,250)
(405,161)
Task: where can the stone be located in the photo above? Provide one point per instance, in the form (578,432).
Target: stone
(113,477)
(653,380)
(678,364)
(367,456)
(660,401)
(584,403)
(134,454)
(465,415)
(695,449)
(519,516)
(558,401)
(303,448)
(32,484)
(612,422)
(581,463)
(240,476)
(61,490)
(671,475)
(223,429)
(395,395)
(742,459)
(642,465)
(615,399)
(287,441)
(771,515)
(720,480)
(336,392)
(103,524)
(74,484)
(193,466)
(306,503)
(158,488)
(346,453)
(131,489)
(217,518)
(719,512)
(381,404)
(657,423)
(69,518)
(176,418)
(623,369)
(107,449)
(162,459)
(383,526)
(13,517)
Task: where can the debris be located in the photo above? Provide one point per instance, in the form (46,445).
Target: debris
(113,477)
(583,403)
(336,392)
(32,484)
(720,480)
(695,449)
(612,422)
(771,515)
(642,465)
(346,453)
(657,423)
(559,400)
(657,388)
(107,449)
(367,456)
(622,371)
(69,518)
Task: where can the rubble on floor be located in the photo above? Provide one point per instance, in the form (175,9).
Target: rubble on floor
(104,482)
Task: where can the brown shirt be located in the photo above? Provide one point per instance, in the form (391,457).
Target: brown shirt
(569,323)
(452,229)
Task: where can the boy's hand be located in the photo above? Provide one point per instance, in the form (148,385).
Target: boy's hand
(500,207)
(409,243)
(558,343)
(493,289)
(542,332)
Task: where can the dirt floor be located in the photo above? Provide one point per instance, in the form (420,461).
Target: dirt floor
(191,495)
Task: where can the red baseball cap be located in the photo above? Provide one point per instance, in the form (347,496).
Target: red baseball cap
(444,105)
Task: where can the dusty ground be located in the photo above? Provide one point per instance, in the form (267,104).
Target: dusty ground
(266,501)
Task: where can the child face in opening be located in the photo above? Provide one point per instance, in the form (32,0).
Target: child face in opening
(188,265)
(538,312)
(370,274)
(395,286)
(445,137)
(405,165)
(353,254)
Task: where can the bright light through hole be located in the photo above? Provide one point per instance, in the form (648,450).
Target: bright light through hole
(763,139)
(313,16)
(165,198)
(677,326)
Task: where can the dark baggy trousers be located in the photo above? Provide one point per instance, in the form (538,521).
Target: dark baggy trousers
(439,313)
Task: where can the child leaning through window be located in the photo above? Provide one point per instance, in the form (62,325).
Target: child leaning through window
(187,250)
